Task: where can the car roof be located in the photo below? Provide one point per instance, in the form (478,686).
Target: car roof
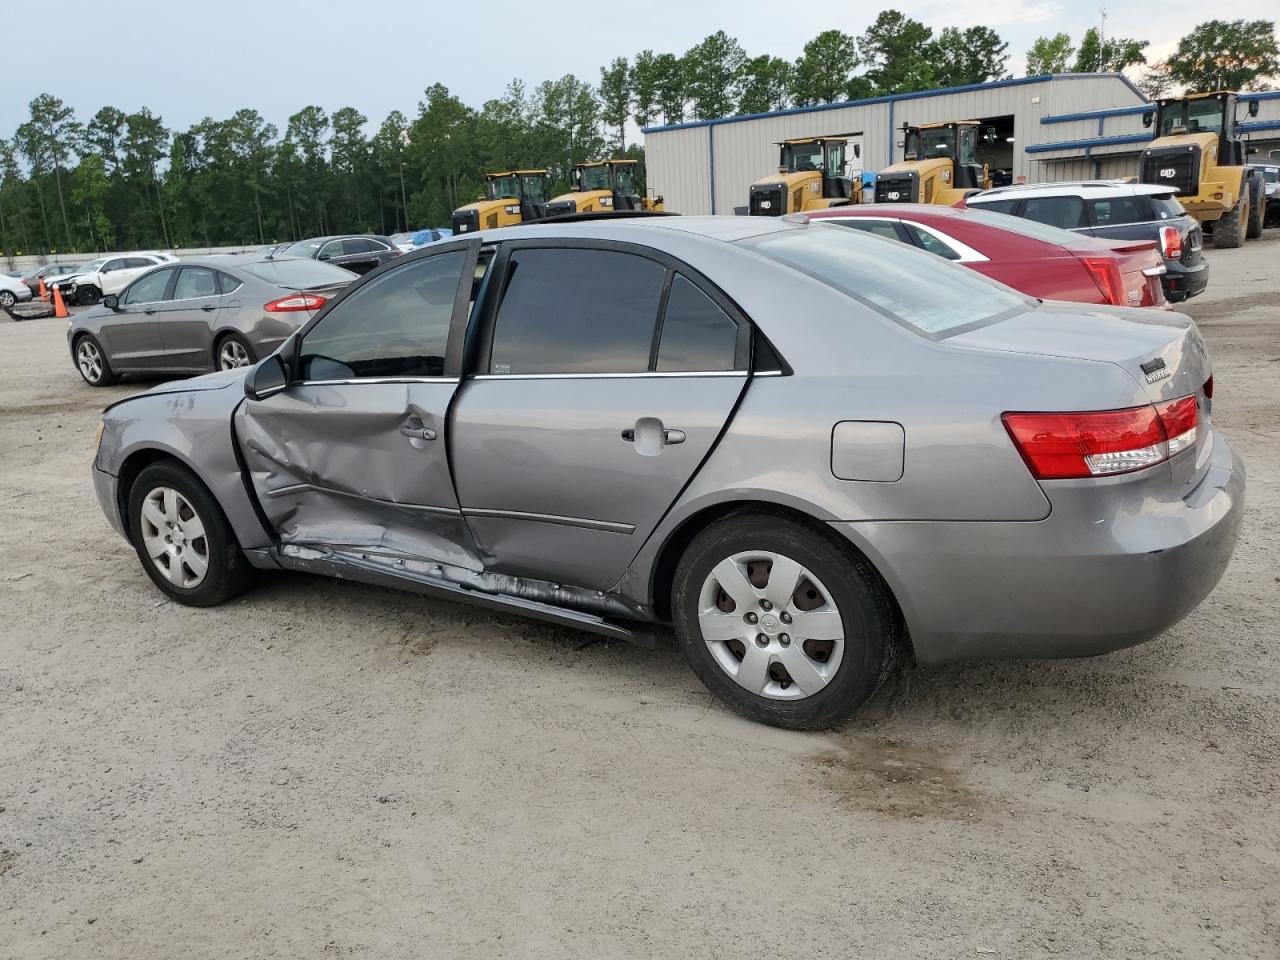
(652,228)
(1072,188)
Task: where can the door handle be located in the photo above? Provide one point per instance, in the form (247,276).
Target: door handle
(149,311)
(673,436)
(208,308)
(668,436)
(417,433)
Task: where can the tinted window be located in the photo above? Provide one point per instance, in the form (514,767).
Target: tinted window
(1026,228)
(577,311)
(357,245)
(396,326)
(195,282)
(904,283)
(696,334)
(1117,210)
(299,274)
(306,248)
(148,289)
(1064,212)
(1166,206)
(113,265)
(881,228)
(928,241)
(139,263)
(227,283)
(996,206)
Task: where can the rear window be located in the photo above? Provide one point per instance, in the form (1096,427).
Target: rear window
(1167,207)
(299,274)
(1027,228)
(907,285)
(1114,211)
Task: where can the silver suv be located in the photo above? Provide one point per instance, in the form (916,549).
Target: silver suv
(806,447)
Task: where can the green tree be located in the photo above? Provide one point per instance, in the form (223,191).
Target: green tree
(672,86)
(90,188)
(763,84)
(1109,55)
(349,155)
(824,70)
(615,98)
(644,81)
(974,55)
(712,69)
(102,135)
(439,152)
(47,141)
(1049,55)
(896,51)
(1226,55)
(144,145)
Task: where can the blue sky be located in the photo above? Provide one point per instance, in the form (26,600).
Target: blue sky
(187,60)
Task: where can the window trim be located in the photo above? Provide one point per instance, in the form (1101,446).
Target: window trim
(967,253)
(487,314)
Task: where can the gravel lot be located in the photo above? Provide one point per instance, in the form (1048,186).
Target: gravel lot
(324,769)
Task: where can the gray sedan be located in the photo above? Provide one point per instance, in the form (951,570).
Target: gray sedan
(807,448)
(210,313)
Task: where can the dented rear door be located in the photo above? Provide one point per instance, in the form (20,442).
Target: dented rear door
(351,457)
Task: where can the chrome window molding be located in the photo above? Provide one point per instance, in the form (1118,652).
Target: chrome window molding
(357,380)
(609,376)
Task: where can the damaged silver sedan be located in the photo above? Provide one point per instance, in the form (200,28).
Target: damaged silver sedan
(806,448)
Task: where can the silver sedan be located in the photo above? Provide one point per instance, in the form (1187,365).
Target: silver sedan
(807,448)
(209,313)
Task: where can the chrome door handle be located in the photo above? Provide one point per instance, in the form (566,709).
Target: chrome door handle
(208,308)
(673,436)
(417,433)
(149,312)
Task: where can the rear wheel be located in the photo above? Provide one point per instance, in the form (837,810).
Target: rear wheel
(7,299)
(1229,231)
(1257,207)
(234,351)
(91,361)
(183,538)
(785,623)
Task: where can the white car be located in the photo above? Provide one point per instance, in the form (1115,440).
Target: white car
(13,290)
(107,275)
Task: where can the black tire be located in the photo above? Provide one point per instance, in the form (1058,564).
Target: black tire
(106,377)
(1257,208)
(232,338)
(872,626)
(7,299)
(88,295)
(227,572)
(1229,231)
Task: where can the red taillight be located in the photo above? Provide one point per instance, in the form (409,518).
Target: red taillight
(1096,443)
(1106,274)
(294,302)
(1171,243)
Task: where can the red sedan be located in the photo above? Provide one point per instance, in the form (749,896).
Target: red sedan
(1035,258)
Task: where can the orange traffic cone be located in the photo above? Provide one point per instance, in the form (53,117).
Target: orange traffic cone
(59,308)
(44,293)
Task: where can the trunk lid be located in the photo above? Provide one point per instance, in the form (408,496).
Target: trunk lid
(1141,266)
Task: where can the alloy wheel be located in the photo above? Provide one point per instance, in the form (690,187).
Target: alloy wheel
(174,538)
(232,354)
(7,299)
(89,360)
(771,625)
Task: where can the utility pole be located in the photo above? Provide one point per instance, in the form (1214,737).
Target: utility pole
(404,204)
(1102,37)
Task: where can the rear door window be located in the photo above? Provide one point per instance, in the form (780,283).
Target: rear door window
(1114,211)
(194,283)
(998,206)
(1066,213)
(696,334)
(571,310)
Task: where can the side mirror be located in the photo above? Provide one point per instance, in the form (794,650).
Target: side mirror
(1148,118)
(1253,108)
(111,301)
(325,256)
(268,377)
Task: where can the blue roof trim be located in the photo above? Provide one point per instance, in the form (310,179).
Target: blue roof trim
(1091,142)
(1099,114)
(892,98)
(1253,125)
(1261,95)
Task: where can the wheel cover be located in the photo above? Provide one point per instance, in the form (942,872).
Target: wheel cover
(232,354)
(89,360)
(7,298)
(771,625)
(174,538)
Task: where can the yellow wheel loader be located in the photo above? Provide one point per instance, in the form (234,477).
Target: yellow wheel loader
(1197,153)
(939,165)
(602,186)
(812,175)
(510,197)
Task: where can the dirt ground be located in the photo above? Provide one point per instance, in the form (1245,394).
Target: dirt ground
(322,769)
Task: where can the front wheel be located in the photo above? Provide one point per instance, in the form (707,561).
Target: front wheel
(91,361)
(183,538)
(787,624)
(7,299)
(87,296)
(1229,231)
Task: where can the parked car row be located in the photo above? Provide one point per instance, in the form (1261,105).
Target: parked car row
(808,449)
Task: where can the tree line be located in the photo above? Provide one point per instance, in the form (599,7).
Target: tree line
(126,181)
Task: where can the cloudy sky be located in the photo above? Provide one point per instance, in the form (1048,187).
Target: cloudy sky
(187,60)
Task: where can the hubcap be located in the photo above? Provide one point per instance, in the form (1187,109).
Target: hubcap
(771,625)
(7,299)
(233,354)
(174,539)
(89,359)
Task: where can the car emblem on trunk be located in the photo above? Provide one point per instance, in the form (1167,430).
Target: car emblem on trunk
(1156,370)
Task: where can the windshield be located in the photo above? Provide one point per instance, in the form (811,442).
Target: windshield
(625,178)
(535,187)
(300,274)
(93,265)
(927,144)
(596,178)
(303,248)
(1197,116)
(399,238)
(801,157)
(504,188)
(910,286)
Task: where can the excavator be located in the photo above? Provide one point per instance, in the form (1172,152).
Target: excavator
(601,186)
(1197,153)
(510,197)
(812,175)
(939,165)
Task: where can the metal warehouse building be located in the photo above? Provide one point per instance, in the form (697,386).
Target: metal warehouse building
(1060,127)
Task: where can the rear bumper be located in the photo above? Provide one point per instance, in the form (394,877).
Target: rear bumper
(1083,581)
(1182,282)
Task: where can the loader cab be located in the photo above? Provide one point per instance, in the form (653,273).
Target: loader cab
(956,142)
(601,186)
(510,197)
(813,173)
(1213,113)
(824,155)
